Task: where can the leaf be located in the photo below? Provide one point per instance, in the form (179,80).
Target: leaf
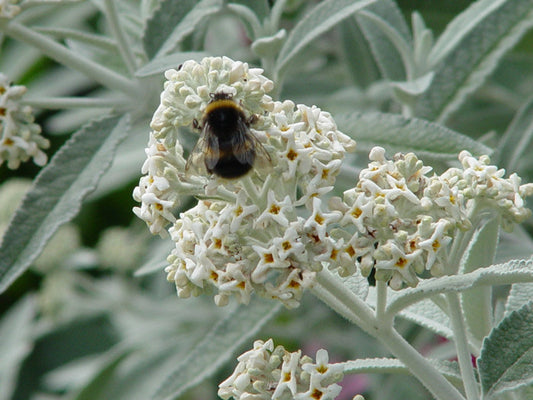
(16,331)
(477,303)
(172,22)
(217,347)
(58,192)
(516,139)
(469,50)
(507,353)
(357,55)
(427,314)
(323,17)
(520,294)
(389,38)
(400,134)
(500,274)
(159,65)
(449,369)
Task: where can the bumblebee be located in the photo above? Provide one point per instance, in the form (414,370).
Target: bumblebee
(226,146)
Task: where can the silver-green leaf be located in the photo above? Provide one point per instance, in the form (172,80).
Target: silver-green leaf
(323,17)
(469,50)
(58,192)
(507,354)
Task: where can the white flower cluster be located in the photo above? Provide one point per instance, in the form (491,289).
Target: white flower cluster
(403,220)
(186,94)
(266,373)
(9,8)
(20,137)
(265,232)
(484,186)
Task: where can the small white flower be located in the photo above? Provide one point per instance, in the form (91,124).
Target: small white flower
(20,137)
(9,8)
(268,373)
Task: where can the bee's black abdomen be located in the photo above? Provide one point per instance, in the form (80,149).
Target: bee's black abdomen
(229,167)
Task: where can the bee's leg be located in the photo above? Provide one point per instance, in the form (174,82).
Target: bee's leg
(196,124)
(252,119)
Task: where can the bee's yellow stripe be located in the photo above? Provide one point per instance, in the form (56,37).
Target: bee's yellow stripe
(221,103)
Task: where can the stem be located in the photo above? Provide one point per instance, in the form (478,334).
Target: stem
(461,345)
(122,41)
(439,387)
(57,103)
(346,303)
(67,57)
(381,301)
(349,299)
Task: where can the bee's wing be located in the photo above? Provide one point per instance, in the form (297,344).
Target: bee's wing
(247,148)
(204,154)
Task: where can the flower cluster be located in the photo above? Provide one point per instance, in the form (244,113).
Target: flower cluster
(399,222)
(20,137)
(9,8)
(484,186)
(266,232)
(274,373)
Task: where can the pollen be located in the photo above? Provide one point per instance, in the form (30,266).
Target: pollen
(238,211)
(294,284)
(325,173)
(213,276)
(241,285)
(356,213)
(2,89)
(317,394)
(322,369)
(452,199)
(286,245)
(8,142)
(350,250)
(435,245)
(158,206)
(319,219)
(286,377)
(218,243)
(161,147)
(291,155)
(334,254)
(269,258)
(2,112)
(274,209)
(402,262)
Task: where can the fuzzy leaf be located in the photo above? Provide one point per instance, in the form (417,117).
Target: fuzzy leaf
(217,347)
(357,55)
(427,314)
(520,294)
(323,17)
(58,192)
(399,134)
(477,303)
(469,50)
(391,365)
(161,64)
(517,139)
(15,342)
(388,36)
(173,21)
(501,274)
(507,354)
